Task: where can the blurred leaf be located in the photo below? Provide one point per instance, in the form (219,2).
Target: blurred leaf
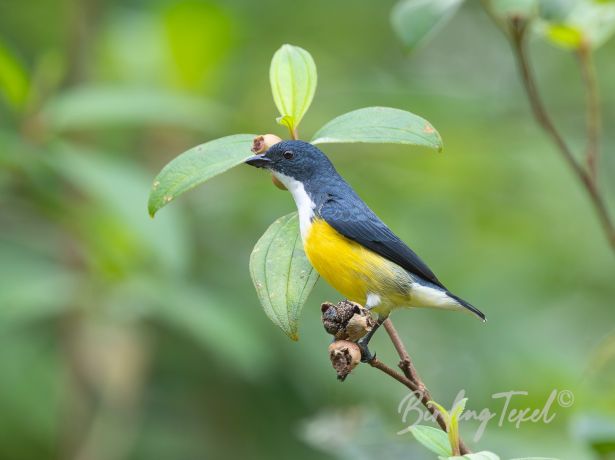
(179,44)
(483,455)
(595,21)
(597,431)
(14,84)
(508,8)
(29,405)
(357,433)
(524,458)
(119,237)
(32,287)
(555,10)
(135,48)
(196,165)
(416,20)
(281,273)
(97,107)
(564,36)
(215,324)
(434,439)
(588,22)
(199,36)
(293,80)
(379,125)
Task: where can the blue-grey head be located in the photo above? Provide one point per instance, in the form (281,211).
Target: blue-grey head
(292,161)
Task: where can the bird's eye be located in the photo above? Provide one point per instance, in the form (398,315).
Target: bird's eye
(288,154)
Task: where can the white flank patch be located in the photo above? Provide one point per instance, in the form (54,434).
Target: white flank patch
(305,205)
(425,296)
(373,300)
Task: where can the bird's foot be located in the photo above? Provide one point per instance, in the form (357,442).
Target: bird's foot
(366,355)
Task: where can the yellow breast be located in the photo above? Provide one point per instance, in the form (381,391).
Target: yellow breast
(350,268)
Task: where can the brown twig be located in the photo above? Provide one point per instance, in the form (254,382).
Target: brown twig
(515,28)
(420,391)
(348,322)
(592,109)
(405,364)
(518,29)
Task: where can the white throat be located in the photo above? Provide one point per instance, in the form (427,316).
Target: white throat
(305,205)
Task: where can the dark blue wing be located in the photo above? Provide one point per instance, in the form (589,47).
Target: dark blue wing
(357,222)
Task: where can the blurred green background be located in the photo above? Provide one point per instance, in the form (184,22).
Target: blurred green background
(123,337)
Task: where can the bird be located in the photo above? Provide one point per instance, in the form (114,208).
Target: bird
(348,244)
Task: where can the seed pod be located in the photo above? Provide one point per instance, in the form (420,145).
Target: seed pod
(344,356)
(260,145)
(358,326)
(346,320)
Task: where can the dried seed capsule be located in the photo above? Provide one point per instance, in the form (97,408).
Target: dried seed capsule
(346,320)
(260,145)
(344,356)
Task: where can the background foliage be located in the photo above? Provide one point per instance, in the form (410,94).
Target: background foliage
(123,337)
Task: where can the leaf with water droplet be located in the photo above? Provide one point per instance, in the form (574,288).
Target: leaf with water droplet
(197,165)
(282,275)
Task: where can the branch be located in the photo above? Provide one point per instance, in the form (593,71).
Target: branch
(592,109)
(413,377)
(518,39)
(343,321)
(515,29)
(405,364)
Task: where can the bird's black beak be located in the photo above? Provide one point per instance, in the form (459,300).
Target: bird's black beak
(258,161)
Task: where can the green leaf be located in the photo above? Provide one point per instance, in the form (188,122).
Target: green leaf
(92,107)
(281,273)
(416,20)
(379,125)
(293,83)
(434,439)
(483,455)
(14,84)
(196,165)
(453,424)
(445,415)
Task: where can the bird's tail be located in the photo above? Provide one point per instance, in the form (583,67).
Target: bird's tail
(469,306)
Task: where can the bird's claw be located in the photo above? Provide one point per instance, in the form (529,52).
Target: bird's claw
(366,355)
